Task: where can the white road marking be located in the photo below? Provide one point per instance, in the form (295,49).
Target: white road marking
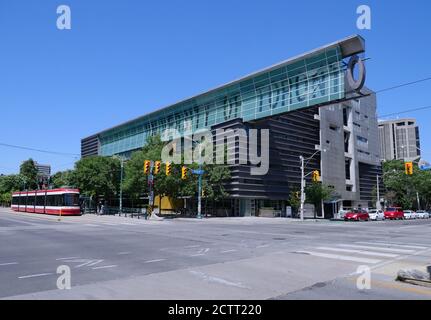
(125,252)
(128,224)
(155,260)
(340,257)
(377,248)
(8,263)
(192,246)
(35,275)
(109,224)
(209,278)
(227,251)
(91,225)
(263,246)
(95,262)
(393,245)
(197,255)
(367,253)
(68,258)
(104,267)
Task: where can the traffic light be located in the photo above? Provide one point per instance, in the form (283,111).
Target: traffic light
(168,168)
(147,165)
(316,176)
(157,166)
(409,168)
(184,172)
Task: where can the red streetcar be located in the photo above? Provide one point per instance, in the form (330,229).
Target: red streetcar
(56,202)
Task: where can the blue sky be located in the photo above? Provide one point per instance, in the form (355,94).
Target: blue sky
(125,58)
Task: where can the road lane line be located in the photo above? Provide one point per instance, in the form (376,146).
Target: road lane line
(155,260)
(340,257)
(197,255)
(123,253)
(8,263)
(68,258)
(35,275)
(105,267)
(393,245)
(377,248)
(227,251)
(367,253)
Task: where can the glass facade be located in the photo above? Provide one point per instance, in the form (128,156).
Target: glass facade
(316,79)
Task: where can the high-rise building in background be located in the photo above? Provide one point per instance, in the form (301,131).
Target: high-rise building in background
(43,170)
(399,139)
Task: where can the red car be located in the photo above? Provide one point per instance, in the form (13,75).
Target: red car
(357,215)
(394,213)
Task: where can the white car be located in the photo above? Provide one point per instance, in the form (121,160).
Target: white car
(409,214)
(376,214)
(422,214)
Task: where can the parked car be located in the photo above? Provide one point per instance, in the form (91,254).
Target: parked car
(357,215)
(422,214)
(409,214)
(376,214)
(394,213)
(342,213)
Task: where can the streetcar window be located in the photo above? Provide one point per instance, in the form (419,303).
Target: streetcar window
(15,200)
(30,200)
(40,201)
(71,200)
(22,200)
(50,200)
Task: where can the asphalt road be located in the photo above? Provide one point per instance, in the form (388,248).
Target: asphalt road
(227,258)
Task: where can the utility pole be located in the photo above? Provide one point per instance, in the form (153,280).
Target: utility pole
(200,192)
(301,210)
(378,205)
(419,202)
(121,186)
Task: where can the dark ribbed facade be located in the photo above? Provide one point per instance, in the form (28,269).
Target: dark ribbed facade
(90,146)
(291,135)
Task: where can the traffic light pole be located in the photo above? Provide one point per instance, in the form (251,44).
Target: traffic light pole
(200,193)
(301,212)
(121,186)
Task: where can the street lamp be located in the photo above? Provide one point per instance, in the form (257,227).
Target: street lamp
(303,166)
(121,158)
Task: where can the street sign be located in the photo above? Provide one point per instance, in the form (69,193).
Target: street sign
(424,165)
(198,171)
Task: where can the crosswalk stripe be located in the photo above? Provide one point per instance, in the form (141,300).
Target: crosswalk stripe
(393,245)
(340,257)
(377,248)
(367,253)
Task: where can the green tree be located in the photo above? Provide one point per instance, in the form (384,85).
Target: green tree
(316,193)
(403,188)
(295,200)
(213,183)
(63,178)
(97,176)
(28,171)
(9,184)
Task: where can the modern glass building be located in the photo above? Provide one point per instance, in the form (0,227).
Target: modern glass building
(314,78)
(289,92)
